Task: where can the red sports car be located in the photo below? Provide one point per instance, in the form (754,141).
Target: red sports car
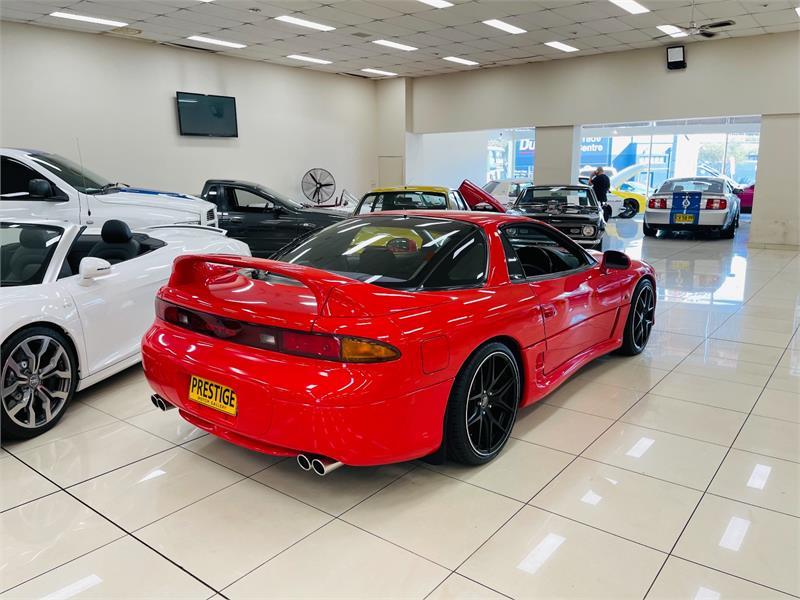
(390,336)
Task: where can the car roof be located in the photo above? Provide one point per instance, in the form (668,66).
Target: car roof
(569,186)
(412,188)
(697,178)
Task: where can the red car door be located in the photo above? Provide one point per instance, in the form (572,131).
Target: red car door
(577,299)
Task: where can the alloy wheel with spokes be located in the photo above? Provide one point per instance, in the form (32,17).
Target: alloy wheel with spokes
(37,380)
(640,318)
(483,405)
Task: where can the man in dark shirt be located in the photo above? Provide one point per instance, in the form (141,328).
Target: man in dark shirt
(600,184)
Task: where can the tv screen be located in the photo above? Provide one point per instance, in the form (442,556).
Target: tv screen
(213,116)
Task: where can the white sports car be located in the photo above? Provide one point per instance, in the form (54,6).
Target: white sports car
(75,304)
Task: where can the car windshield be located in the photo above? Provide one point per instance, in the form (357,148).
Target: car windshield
(490,186)
(81,179)
(25,252)
(391,251)
(402,200)
(696,184)
(557,196)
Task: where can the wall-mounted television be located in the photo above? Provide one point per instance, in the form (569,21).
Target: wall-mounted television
(205,115)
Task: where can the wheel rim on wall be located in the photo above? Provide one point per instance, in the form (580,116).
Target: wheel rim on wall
(36,381)
(492,403)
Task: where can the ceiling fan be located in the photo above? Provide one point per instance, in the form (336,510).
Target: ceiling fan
(705,30)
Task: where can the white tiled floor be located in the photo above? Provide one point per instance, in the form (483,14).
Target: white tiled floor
(671,475)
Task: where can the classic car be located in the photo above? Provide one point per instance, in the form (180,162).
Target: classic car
(693,204)
(264,219)
(390,336)
(411,197)
(75,304)
(572,209)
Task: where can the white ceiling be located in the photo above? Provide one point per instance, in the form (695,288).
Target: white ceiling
(594,27)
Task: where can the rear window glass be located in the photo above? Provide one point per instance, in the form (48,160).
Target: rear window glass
(405,200)
(395,251)
(490,186)
(709,186)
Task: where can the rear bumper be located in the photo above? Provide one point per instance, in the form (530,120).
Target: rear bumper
(707,219)
(288,405)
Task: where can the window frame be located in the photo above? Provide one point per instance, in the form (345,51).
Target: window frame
(554,234)
(27,198)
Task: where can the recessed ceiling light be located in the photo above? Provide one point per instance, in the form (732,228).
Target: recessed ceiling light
(561,46)
(310,59)
(95,20)
(507,27)
(379,72)
(461,61)
(437,3)
(208,40)
(672,31)
(304,23)
(395,45)
(631,6)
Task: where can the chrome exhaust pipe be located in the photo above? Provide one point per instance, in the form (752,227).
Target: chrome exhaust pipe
(323,465)
(304,462)
(160,403)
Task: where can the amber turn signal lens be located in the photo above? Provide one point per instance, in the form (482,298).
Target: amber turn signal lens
(357,350)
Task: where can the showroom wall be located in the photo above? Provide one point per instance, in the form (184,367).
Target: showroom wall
(118,97)
(446,158)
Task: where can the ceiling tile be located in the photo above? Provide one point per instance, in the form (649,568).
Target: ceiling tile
(778,17)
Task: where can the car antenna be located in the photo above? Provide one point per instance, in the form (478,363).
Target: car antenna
(83,176)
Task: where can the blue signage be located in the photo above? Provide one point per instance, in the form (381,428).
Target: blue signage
(596,151)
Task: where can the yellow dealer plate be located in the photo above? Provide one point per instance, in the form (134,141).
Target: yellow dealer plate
(213,395)
(684,218)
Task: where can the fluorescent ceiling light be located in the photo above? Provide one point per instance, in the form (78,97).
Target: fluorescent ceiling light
(207,40)
(631,6)
(395,45)
(379,72)
(310,59)
(561,46)
(95,20)
(797,10)
(508,28)
(304,23)
(461,61)
(672,31)
(437,3)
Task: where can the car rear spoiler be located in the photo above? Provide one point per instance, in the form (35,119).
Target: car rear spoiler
(335,295)
(475,195)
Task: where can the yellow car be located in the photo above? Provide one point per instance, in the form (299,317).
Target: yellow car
(631,192)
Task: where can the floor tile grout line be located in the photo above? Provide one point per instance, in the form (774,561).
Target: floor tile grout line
(333,518)
(694,562)
(125,532)
(711,481)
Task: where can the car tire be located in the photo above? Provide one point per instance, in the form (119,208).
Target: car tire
(641,317)
(728,233)
(631,208)
(38,368)
(479,416)
(649,231)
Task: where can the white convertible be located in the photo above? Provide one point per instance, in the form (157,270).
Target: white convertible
(75,304)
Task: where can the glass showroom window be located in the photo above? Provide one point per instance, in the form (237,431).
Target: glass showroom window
(510,154)
(638,157)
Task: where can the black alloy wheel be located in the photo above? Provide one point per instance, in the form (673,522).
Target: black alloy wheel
(630,208)
(483,405)
(640,318)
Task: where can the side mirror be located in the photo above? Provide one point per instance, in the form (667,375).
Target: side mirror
(91,268)
(40,188)
(278,210)
(613,259)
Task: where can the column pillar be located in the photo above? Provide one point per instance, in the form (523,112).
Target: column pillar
(557,155)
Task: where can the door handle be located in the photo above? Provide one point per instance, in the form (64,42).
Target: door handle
(548,311)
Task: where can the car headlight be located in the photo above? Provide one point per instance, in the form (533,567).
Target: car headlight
(587,231)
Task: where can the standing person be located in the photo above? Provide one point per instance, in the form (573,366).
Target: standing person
(600,184)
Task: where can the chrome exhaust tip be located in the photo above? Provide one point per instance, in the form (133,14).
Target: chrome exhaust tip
(322,465)
(160,403)
(304,462)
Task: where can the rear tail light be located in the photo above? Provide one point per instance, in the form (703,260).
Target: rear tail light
(716,204)
(657,203)
(287,341)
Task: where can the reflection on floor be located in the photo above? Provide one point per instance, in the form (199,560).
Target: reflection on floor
(674,474)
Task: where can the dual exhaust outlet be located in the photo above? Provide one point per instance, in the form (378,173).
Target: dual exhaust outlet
(321,465)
